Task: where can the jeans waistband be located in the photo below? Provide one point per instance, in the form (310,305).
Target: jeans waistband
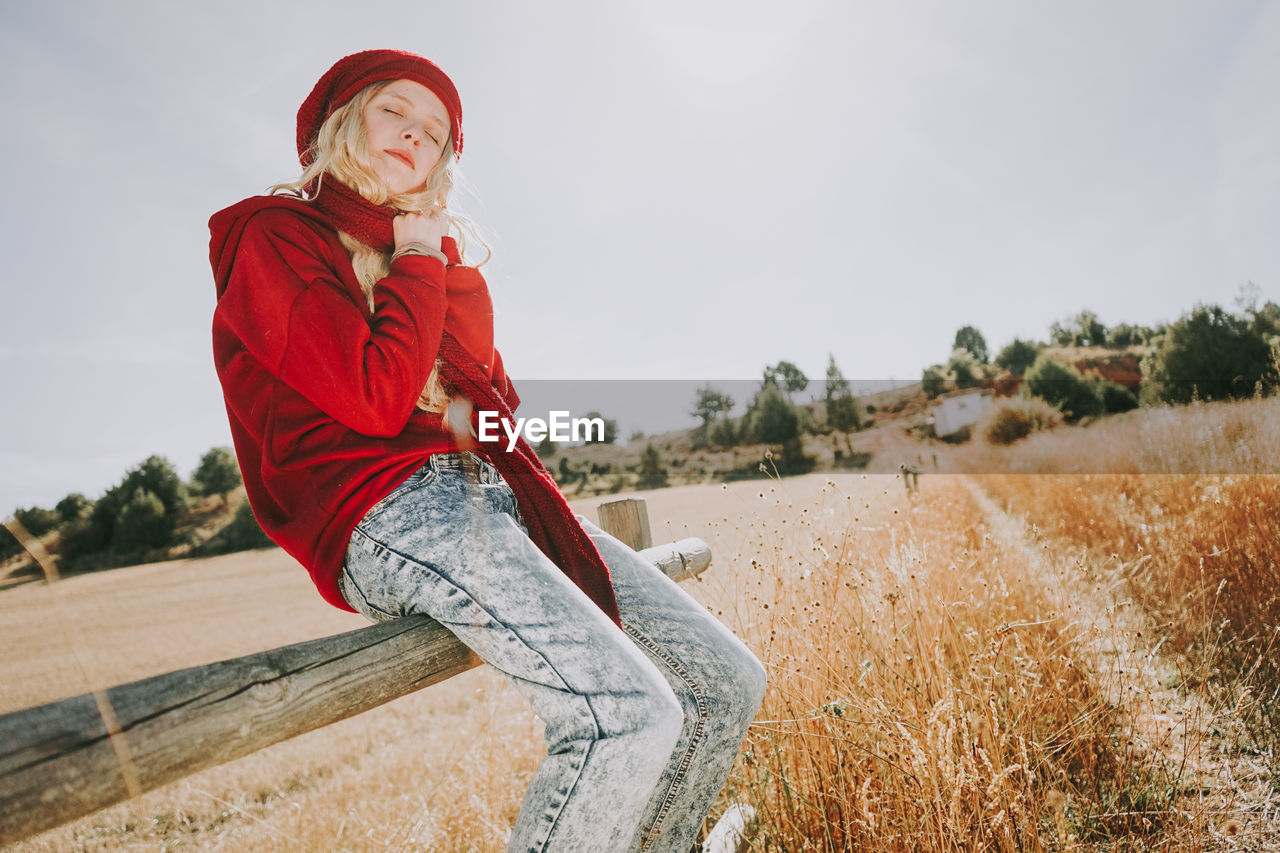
(474,467)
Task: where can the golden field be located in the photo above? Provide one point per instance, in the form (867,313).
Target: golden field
(1076,660)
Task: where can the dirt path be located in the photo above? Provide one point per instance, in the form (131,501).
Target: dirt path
(1227,797)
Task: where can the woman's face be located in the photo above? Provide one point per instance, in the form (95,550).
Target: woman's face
(407,126)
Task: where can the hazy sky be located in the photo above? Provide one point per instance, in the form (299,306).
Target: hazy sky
(673,190)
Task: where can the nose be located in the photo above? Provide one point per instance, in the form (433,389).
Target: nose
(412,136)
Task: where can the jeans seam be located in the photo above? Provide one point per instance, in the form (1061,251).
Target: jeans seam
(595,720)
(351,582)
(686,760)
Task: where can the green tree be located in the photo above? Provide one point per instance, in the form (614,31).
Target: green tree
(843,411)
(1208,354)
(773,419)
(788,377)
(1017,356)
(218,472)
(970,339)
(73,507)
(653,474)
(155,475)
(37,520)
(1265,321)
(708,405)
(1082,330)
(610,429)
(142,523)
(1092,333)
(1062,334)
(1124,335)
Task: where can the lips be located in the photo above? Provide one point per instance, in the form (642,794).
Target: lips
(403,156)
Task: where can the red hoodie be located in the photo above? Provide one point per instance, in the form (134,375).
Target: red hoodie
(320,391)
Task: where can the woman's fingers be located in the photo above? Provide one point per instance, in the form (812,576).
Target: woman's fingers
(416,226)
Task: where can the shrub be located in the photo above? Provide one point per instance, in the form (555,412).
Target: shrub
(1209,354)
(934,380)
(217,473)
(1013,419)
(965,368)
(37,520)
(154,475)
(244,532)
(653,474)
(142,524)
(74,507)
(1063,386)
(1017,356)
(723,433)
(793,459)
(1116,397)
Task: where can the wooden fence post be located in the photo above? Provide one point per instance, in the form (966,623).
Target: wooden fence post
(627,520)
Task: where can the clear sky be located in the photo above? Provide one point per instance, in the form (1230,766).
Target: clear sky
(674,190)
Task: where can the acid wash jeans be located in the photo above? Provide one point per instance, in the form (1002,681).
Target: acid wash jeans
(642,724)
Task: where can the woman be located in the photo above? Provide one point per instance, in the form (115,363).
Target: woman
(354,347)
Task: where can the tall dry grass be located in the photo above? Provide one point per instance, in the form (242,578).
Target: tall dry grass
(1201,554)
(938,682)
(1195,535)
(1203,438)
(934,688)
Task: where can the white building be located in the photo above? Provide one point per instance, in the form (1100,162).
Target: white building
(959,409)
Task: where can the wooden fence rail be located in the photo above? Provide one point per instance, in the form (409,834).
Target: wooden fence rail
(59,762)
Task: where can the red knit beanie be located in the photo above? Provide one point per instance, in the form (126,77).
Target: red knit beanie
(352,73)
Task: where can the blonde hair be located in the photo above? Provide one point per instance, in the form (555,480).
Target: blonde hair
(341,149)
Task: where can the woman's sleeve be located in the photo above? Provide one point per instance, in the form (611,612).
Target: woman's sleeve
(288,307)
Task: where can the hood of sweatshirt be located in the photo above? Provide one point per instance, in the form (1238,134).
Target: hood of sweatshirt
(227,225)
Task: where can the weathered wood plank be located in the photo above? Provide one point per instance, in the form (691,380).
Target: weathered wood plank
(733,832)
(627,520)
(57,762)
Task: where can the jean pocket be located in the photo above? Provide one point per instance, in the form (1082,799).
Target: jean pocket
(416,480)
(353,595)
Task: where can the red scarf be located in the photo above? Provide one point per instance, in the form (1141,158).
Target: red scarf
(547,515)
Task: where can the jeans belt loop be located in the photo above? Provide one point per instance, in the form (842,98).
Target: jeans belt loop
(470,466)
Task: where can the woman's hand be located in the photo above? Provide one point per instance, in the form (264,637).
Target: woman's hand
(457,417)
(415,226)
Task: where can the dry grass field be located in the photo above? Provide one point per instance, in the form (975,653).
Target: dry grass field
(1071,661)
